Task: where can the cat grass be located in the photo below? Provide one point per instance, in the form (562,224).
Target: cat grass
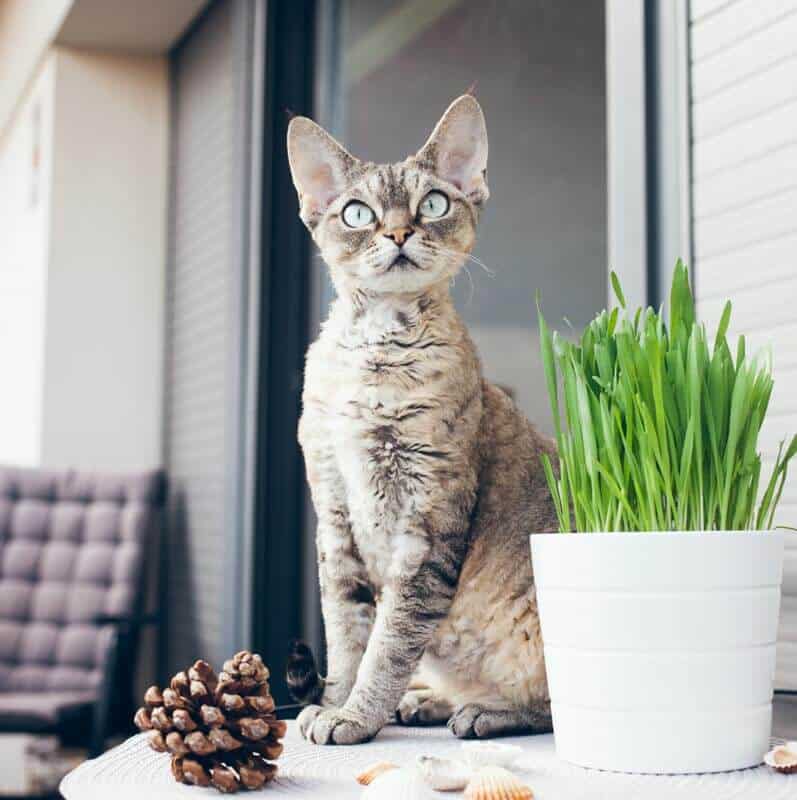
(657,427)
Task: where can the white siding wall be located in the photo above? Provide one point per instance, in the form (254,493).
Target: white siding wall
(744,124)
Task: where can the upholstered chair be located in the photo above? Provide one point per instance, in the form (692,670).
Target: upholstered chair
(73,546)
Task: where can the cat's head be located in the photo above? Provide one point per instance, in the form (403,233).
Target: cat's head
(402,227)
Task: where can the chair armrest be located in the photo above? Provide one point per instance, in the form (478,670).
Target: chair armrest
(123,625)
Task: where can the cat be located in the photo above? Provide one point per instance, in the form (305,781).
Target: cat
(426,478)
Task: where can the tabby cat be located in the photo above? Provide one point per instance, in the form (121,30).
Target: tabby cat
(426,478)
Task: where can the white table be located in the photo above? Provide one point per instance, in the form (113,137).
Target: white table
(134,772)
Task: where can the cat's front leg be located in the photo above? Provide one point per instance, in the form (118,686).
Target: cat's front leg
(347,603)
(347,597)
(411,607)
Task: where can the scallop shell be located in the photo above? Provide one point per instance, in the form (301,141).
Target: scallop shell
(398,784)
(497,783)
(490,754)
(444,774)
(373,771)
(783,758)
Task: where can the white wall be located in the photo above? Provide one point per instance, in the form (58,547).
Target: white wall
(84,186)
(102,406)
(25,168)
(744,119)
(26,30)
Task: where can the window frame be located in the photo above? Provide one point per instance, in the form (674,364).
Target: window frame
(649,144)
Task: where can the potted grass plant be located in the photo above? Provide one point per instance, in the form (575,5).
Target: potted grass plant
(659,598)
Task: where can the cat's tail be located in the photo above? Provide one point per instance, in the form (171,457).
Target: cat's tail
(304,682)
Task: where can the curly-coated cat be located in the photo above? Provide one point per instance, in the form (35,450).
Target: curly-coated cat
(426,478)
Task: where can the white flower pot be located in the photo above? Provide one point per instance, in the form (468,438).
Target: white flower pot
(660,647)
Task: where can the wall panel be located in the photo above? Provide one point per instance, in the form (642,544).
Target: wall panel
(744,112)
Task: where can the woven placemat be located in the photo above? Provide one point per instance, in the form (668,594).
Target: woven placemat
(134,772)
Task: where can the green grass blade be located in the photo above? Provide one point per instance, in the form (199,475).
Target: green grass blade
(618,289)
(657,425)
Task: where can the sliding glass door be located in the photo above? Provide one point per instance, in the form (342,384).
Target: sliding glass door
(386,72)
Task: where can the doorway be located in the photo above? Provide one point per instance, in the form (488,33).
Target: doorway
(385,72)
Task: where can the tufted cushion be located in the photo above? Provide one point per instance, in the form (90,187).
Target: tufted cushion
(72,547)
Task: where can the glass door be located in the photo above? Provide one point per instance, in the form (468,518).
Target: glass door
(387,69)
(385,72)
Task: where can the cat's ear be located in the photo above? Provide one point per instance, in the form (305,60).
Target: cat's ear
(321,168)
(457,148)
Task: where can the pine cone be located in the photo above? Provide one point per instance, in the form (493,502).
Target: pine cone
(221,731)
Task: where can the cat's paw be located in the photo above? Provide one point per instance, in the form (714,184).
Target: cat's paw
(306,719)
(422,707)
(473,721)
(408,709)
(334,726)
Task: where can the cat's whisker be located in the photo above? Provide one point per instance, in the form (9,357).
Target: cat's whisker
(472,285)
(479,262)
(470,257)
(453,254)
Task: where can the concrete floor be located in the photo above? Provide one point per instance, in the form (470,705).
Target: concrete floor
(784,722)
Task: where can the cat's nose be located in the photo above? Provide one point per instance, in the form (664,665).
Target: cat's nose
(399,235)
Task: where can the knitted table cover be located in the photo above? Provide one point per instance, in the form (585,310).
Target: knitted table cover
(133,771)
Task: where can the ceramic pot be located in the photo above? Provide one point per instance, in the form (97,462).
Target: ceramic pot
(660,647)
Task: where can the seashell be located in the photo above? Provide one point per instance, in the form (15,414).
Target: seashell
(783,758)
(497,783)
(371,772)
(398,784)
(490,754)
(444,774)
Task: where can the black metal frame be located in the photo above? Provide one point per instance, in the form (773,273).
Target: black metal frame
(652,135)
(279,499)
(667,142)
(649,161)
(124,637)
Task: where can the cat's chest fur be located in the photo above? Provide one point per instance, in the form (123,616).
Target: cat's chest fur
(372,393)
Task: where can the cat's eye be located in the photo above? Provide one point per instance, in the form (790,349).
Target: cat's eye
(357,214)
(434,205)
